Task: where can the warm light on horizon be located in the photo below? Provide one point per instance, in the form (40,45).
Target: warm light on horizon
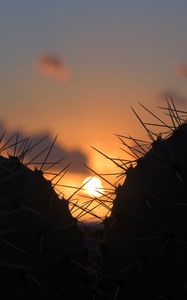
(93,187)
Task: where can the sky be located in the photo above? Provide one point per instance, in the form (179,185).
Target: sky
(74,68)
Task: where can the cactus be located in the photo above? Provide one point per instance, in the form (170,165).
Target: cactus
(40,243)
(137,252)
(145,252)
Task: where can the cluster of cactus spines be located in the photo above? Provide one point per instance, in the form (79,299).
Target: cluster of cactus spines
(138,250)
(43,253)
(40,245)
(145,249)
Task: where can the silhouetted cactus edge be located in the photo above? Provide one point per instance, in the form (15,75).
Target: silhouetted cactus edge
(139,251)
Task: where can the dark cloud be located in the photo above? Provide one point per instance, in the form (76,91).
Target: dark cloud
(74,156)
(52,65)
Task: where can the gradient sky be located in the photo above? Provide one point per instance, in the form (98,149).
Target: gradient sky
(117,53)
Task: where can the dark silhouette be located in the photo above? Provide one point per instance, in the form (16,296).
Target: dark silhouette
(138,252)
(145,254)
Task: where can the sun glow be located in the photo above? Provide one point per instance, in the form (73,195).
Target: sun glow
(93,186)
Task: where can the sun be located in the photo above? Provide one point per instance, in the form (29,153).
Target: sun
(93,186)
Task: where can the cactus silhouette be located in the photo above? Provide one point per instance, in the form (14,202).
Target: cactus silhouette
(138,251)
(39,241)
(145,253)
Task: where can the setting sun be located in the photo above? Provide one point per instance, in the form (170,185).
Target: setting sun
(93,187)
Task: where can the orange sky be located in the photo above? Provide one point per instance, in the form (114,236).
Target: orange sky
(75,68)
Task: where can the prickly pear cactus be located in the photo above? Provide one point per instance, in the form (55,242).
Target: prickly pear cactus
(145,253)
(40,243)
(139,252)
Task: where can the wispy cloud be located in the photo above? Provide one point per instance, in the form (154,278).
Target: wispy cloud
(166,95)
(52,65)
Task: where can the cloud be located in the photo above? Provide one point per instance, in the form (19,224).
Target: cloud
(167,95)
(74,156)
(53,66)
(181,69)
